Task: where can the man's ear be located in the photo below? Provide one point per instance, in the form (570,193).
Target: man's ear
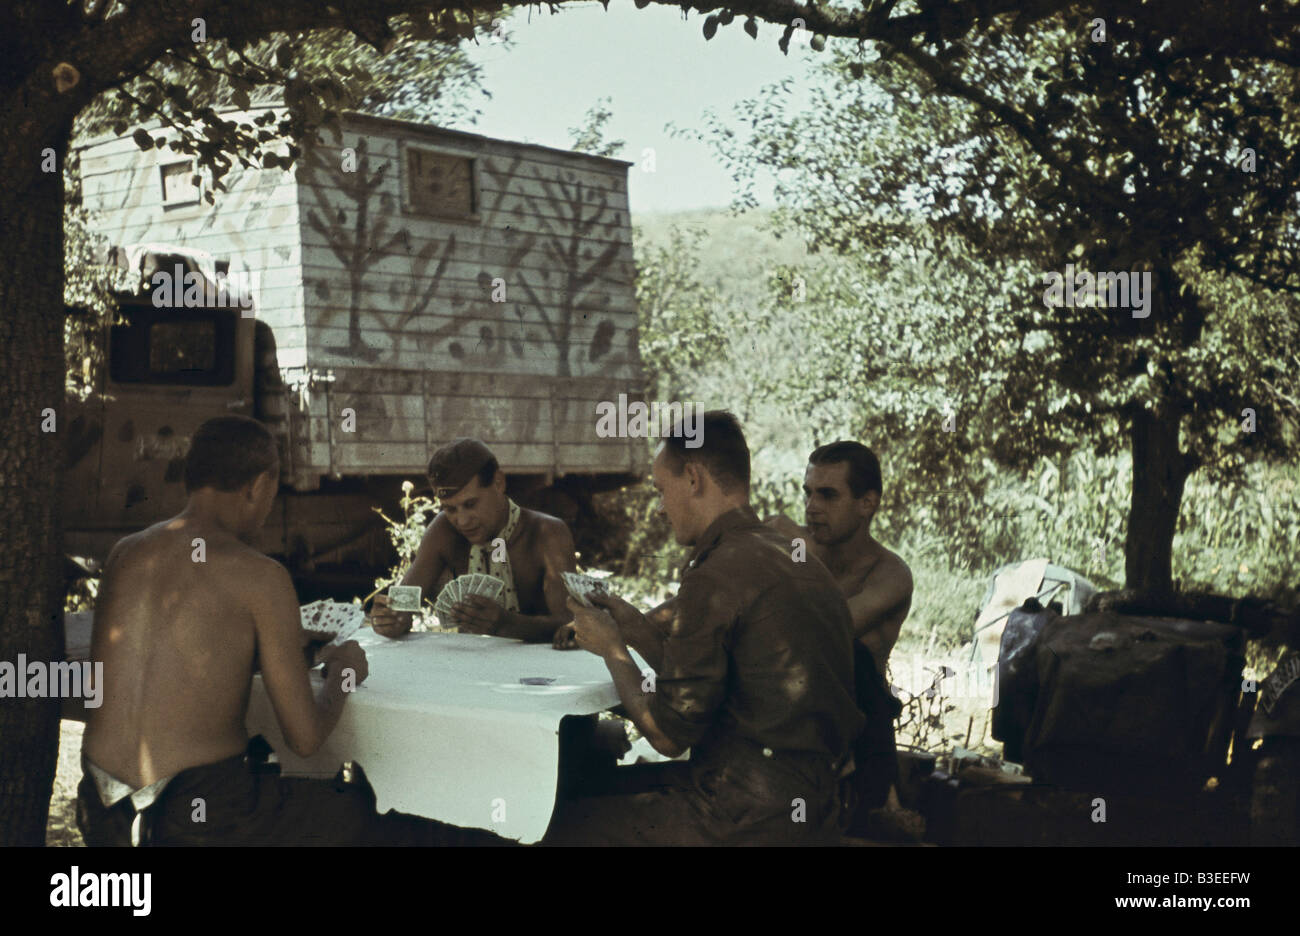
(266,482)
(868,504)
(499,481)
(695,475)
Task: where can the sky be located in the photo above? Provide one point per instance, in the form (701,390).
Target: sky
(655,67)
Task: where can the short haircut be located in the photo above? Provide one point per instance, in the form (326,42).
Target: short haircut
(228,452)
(452,466)
(864,467)
(722,450)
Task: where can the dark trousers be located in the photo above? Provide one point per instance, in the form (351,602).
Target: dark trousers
(726,795)
(238,802)
(876,753)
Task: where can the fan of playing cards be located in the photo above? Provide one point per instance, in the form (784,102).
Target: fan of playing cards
(462,587)
(580,586)
(329,618)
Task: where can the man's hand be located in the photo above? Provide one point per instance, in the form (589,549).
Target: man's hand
(479,614)
(625,615)
(564,638)
(387,622)
(345,656)
(595,631)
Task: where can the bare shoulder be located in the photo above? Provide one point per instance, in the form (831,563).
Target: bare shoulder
(893,569)
(264,576)
(550,530)
(123,548)
(439,536)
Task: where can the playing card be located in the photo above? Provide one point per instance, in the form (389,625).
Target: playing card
(309,613)
(475,583)
(404,598)
(332,619)
(494,588)
(580,586)
(352,618)
(445,600)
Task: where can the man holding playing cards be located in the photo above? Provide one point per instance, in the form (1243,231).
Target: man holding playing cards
(187,612)
(754,674)
(480,532)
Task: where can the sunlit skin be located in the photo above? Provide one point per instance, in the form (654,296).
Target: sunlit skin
(691,501)
(874,580)
(540,550)
(180,633)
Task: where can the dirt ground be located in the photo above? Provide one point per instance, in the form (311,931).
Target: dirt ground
(61,829)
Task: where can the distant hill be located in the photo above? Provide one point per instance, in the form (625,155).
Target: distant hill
(739,252)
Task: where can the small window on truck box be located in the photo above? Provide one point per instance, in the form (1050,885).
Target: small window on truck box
(179,185)
(174,346)
(439,184)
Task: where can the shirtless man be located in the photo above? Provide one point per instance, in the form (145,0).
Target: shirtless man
(186,613)
(467,536)
(842,488)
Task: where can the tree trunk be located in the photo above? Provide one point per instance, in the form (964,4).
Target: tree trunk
(31,460)
(1160,470)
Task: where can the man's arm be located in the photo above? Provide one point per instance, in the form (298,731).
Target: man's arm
(598,633)
(676,707)
(557,557)
(631,685)
(644,633)
(424,572)
(880,606)
(305,721)
(647,631)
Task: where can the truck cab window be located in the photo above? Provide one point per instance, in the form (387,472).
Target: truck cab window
(174,346)
(182,347)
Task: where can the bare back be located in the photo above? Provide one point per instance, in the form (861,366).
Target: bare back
(178,642)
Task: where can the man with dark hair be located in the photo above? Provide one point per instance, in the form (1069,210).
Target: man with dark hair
(186,612)
(842,489)
(753,674)
(480,529)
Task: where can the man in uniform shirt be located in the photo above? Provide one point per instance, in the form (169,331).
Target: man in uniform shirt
(753,674)
(480,529)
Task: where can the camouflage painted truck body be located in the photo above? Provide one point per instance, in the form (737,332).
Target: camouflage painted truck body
(411,284)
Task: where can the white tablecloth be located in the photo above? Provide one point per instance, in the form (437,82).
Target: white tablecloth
(445,729)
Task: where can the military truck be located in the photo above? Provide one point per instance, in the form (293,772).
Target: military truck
(403,285)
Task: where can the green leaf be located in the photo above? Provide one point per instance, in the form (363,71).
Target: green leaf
(142,139)
(710,27)
(751,27)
